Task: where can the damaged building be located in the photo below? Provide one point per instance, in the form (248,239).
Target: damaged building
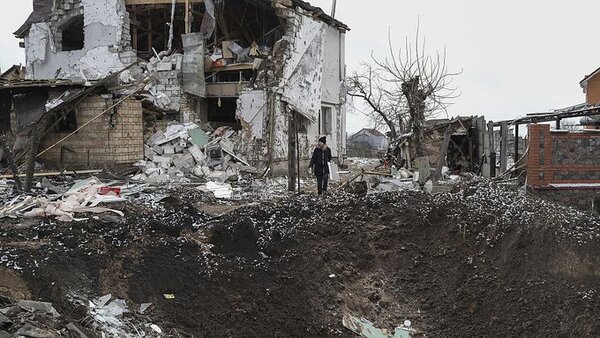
(103,76)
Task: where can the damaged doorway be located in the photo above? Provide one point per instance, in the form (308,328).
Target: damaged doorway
(221,112)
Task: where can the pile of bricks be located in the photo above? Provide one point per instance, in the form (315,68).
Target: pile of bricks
(184,151)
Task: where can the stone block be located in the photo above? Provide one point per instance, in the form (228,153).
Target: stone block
(164,67)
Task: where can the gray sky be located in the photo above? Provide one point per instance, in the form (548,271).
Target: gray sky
(517,56)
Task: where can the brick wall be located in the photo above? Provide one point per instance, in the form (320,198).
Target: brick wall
(115,138)
(564,166)
(559,157)
(583,199)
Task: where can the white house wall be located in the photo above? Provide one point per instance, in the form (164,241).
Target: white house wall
(302,73)
(103,32)
(37,43)
(252,107)
(333,65)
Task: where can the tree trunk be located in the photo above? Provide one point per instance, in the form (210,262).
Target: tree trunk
(416,108)
(418,132)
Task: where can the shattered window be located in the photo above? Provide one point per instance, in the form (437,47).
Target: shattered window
(326,121)
(72,34)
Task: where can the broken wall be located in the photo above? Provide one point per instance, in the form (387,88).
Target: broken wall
(114,138)
(301,84)
(564,166)
(582,198)
(562,157)
(106,41)
(309,71)
(334,67)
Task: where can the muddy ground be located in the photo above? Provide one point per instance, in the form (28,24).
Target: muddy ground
(480,261)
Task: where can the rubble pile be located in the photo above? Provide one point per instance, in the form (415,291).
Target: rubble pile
(462,263)
(83,197)
(184,152)
(105,317)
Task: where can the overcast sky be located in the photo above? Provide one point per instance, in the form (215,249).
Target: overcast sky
(517,56)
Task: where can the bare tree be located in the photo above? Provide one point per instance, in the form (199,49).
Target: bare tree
(385,109)
(405,88)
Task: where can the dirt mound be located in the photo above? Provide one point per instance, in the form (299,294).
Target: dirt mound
(480,261)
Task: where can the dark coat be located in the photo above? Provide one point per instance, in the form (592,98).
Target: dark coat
(320,161)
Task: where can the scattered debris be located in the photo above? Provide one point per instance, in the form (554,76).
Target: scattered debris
(183,152)
(365,328)
(83,197)
(273,261)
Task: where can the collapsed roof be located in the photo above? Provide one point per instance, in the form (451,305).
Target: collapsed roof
(42,10)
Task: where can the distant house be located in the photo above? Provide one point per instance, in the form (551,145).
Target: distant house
(367,143)
(591,87)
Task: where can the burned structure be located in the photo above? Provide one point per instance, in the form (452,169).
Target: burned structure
(116,71)
(460,143)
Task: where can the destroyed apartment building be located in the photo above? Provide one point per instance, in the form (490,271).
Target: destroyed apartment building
(102,77)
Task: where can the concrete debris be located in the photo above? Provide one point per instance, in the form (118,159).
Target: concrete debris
(75,331)
(5,322)
(394,184)
(220,190)
(156,328)
(102,317)
(33,306)
(31,331)
(107,315)
(367,329)
(184,153)
(438,188)
(144,307)
(83,197)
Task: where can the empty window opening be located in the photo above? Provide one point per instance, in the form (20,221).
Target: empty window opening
(326,121)
(72,34)
(221,112)
(65,123)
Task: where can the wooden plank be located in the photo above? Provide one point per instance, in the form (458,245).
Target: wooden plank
(67,172)
(517,156)
(503,146)
(443,152)
(492,149)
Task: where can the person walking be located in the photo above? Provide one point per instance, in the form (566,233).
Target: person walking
(319,164)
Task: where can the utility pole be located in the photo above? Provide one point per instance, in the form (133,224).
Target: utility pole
(333,9)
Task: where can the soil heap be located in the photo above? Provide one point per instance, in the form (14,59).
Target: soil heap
(481,260)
